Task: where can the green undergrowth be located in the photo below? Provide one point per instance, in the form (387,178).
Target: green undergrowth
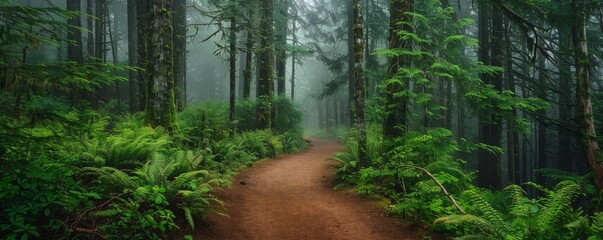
(78,173)
(398,172)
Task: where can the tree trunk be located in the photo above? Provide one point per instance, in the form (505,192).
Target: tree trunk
(249,51)
(74,35)
(161,106)
(133,57)
(280,42)
(513,163)
(233,69)
(179,38)
(266,71)
(586,125)
(396,106)
(359,96)
(74,46)
(351,78)
(142,17)
(90,26)
(99,31)
(567,160)
(490,126)
(294,52)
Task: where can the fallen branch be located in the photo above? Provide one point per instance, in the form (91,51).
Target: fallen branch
(444,191)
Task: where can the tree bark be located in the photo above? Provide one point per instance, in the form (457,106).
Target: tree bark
(294,52)
(280,39)
(233,70)
(248,65)
(351,78)
(584,113)
(179,38)
(359,96)
(161,106)
(266,71)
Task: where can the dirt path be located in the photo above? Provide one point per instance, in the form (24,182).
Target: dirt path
(291,197)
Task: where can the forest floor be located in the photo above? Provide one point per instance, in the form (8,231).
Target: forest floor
(292,197)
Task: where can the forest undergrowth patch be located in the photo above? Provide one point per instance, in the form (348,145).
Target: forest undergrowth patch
(81,173)
(424,181)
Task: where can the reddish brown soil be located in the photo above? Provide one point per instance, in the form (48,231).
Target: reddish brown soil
(291,197)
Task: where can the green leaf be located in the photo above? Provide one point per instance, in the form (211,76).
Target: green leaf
(158,199)
(534,209)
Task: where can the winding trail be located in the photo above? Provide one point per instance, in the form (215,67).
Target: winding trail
(291,197)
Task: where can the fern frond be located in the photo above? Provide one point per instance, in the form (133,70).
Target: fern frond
(538,187)
(596,226)
(557,204)
(490,214)
(515,193)
(189,217)
(113,177)
(488,229)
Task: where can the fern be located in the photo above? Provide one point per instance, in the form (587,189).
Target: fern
(113,177)
(596,227)
(484,228)
(557,204)
(179,184)
(487,211)
(549,217)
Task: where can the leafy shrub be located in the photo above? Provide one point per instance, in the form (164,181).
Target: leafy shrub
(245,114)
(203,124)
(288,116)
(37,197)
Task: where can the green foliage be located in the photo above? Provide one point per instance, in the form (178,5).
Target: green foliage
(520,217)
(132,143)
(37,196)
(202,125)
(245,113)
(413,195)
(165,184)
(288,116)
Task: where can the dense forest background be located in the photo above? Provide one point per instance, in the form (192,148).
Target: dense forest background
(123,114)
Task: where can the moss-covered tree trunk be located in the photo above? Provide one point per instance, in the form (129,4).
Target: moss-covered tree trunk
(586,125)
(233,68)
(266,71)
(359,95)
(351,79)
(179,38)
(396,105)
(161,106)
